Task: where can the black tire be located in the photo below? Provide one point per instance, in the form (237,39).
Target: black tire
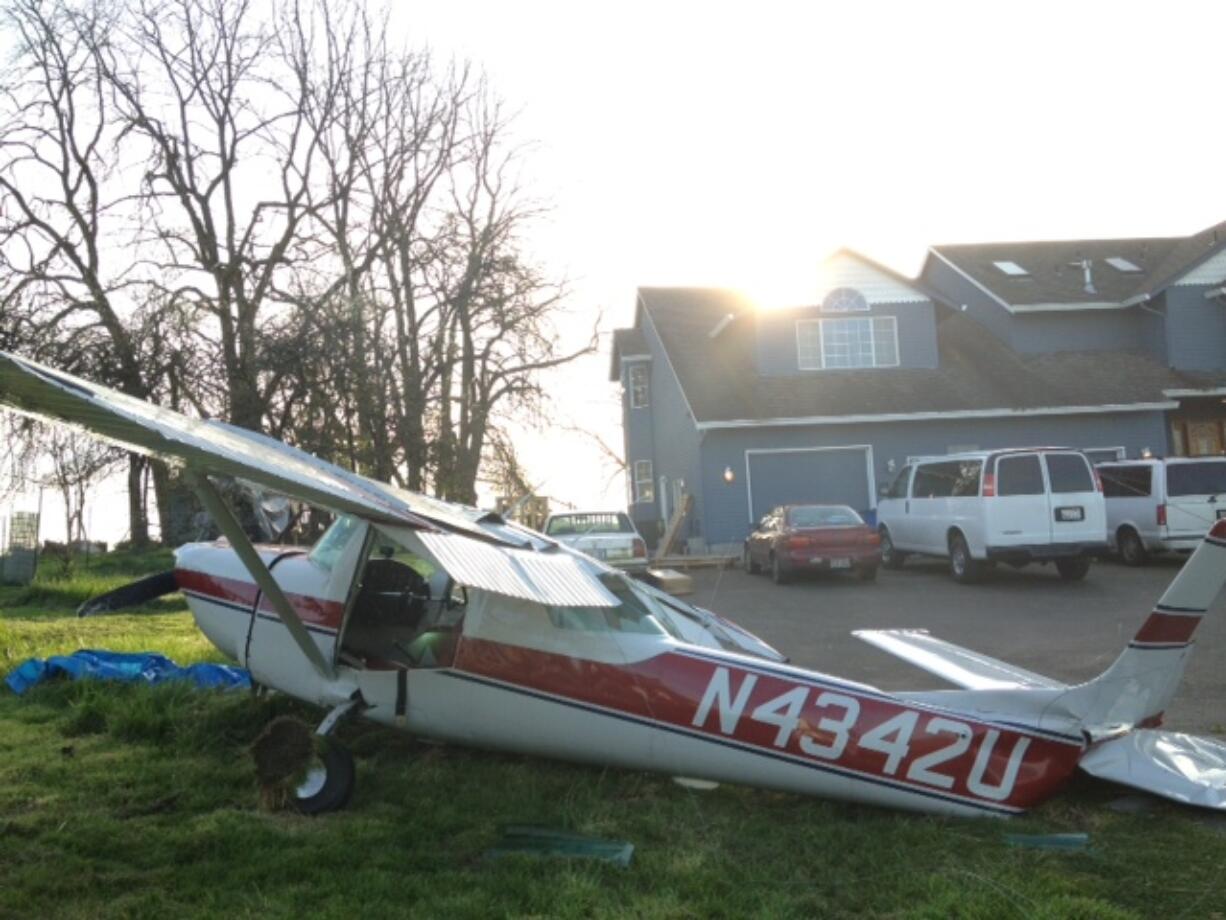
(1073,569)
(1131,546)
(750,566)
(867,573)
(962,566)
(778,575)
(891,558)
(329,782)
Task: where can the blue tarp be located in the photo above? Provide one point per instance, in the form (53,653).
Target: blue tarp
(142,667)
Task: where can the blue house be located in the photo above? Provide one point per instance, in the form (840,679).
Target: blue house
(1114,346)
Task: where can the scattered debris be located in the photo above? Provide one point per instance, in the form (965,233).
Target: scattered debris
(531,840)
(1064,842)
(282,753)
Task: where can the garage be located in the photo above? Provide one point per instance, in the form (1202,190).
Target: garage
(810,475)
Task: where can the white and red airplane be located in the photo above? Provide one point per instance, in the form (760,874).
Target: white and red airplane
(456,625)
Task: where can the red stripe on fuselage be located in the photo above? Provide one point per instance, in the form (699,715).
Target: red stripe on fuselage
(1167,627)
(670,688)
(314,611)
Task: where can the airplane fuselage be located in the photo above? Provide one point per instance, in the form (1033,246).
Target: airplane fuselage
(638,701)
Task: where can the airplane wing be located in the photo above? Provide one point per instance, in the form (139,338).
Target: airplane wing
(957,665)
(1181,767)
(213,447)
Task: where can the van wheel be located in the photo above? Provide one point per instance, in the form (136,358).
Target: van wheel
(891,558)
(1073,569)
(750,566)
(962,566)
(1132,549)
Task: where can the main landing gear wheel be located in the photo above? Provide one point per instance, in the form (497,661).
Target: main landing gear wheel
(329,780)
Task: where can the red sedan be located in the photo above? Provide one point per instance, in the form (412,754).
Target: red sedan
(806,538)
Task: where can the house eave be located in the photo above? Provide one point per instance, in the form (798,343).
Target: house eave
(939,416)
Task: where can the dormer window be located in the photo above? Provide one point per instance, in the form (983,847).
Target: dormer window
(1012,269)
(845,300)
(639,386)
(828,344)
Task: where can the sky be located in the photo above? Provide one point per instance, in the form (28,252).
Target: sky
(737,144)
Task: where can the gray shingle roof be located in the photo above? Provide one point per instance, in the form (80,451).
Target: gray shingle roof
(1051,278)
(976,370)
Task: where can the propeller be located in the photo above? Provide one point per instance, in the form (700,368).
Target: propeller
(131,595)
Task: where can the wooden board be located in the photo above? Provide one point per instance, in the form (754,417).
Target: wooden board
(670,581)
(674,527)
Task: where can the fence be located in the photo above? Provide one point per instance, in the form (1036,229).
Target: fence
(19,547)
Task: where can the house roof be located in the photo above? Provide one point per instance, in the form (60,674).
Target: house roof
(976,371)
(1052,279)
(626,342)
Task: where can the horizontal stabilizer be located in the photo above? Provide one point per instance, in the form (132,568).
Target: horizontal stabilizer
(1185,768)
(957,665)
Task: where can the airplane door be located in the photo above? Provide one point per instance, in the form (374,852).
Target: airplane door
(317,584)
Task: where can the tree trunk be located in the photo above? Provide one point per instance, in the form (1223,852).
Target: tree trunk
(138,514)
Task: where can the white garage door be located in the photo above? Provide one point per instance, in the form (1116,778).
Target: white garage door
(827,475)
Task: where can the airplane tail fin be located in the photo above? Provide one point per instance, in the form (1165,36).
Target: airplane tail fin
(1137,687)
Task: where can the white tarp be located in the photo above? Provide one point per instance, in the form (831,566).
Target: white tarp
(1181,767)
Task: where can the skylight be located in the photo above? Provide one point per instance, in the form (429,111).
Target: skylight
(1012,269)
(1121,264)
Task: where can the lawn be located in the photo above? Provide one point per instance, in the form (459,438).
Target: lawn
(131,801)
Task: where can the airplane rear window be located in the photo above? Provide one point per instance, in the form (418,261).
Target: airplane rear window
(1208,478)
(632,616)
(1069,473)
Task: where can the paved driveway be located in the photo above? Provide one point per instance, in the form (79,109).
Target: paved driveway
(1029,617)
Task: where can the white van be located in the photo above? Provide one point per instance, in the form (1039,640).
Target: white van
(1162,505)
(1037,504)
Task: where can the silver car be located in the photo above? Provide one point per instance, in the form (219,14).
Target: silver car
(605,535)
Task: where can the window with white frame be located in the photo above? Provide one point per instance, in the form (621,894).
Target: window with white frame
(638,386)
(644,487)
(823,344)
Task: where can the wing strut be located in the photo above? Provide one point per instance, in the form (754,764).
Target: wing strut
(233,532)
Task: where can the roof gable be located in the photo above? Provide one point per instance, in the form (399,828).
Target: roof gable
(847,268)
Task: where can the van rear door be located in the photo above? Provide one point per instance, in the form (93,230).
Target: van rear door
(1078,512)
(1020,514)
(1196,495)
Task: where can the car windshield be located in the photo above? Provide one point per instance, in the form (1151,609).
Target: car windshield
(823,516)
(566,524)
(1207,478)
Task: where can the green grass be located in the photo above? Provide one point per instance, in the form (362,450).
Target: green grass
(130,801)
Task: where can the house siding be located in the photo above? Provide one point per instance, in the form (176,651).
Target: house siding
(675,441)
(776,336)
(727,511)
(960,293)
(1195,329)
(1078,330)
(639,435)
